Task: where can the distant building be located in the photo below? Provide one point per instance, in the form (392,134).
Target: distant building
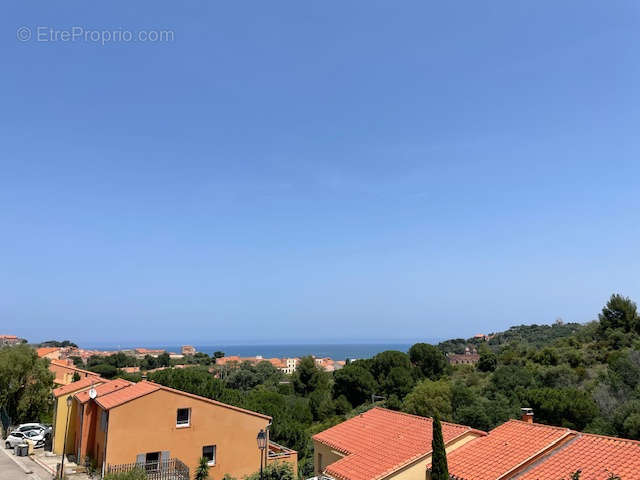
(64,371)
(481,336)
(9,340)
(52,353)
(143,352)
(469,357)
(188,350)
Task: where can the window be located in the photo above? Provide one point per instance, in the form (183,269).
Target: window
(209,452)
(152,461)
(183,418)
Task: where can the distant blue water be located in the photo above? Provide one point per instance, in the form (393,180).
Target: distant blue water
(334,351)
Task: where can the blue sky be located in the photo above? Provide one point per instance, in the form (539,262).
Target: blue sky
(316,171)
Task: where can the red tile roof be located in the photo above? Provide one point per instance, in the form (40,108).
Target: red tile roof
(379,442)
(505,449)
(132,391)
(104,389)
(46,351)
(596,456)
(125,395)
(79,385)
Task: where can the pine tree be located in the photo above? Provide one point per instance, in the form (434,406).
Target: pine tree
(439,468)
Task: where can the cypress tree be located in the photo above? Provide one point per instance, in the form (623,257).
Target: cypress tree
(439,468)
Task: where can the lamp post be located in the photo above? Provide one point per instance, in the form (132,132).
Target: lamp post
(66,428)
(262,445)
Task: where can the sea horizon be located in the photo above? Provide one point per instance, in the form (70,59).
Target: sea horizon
(337,351)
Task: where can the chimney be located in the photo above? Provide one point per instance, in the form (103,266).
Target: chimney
(527,415)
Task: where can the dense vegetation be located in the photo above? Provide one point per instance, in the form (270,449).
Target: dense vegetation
(585,377)
(25,386)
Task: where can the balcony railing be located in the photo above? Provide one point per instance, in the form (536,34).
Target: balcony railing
(172,469)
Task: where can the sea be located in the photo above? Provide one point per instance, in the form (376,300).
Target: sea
(334,351)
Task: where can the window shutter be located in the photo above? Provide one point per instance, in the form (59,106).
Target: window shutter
(165,455)
(141,459)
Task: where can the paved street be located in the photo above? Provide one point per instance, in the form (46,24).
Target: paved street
(10,471)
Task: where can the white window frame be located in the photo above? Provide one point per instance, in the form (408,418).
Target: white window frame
(183,425)
(211,463)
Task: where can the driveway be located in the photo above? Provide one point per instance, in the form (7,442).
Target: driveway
(9,470)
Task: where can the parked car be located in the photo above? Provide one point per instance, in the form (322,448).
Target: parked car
(16,438)
(25,427)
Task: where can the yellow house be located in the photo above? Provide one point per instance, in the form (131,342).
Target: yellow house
(61,412)
(152,425)
(383,444)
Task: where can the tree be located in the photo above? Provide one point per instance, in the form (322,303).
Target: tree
(430,399)
(308,377)
(164,360)
(439,468)
(398,382)
(428,359)
(355,384)
(202,470)
(25,384)
(382,364)
(620,313)
(488,361)
(76,376)
(218,354)
(104,369)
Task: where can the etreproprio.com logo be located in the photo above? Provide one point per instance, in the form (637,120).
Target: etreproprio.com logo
(47,34)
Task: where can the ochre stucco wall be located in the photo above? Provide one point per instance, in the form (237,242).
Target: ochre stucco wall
(148,424)
(329,456)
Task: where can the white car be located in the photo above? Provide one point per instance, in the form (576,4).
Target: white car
(16,438)
(25,427)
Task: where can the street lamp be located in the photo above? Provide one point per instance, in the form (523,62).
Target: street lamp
(262,445)
(66,428)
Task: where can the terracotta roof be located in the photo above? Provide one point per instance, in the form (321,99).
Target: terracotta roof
(75,386)
(379,442)
(104,389)
(9,337)
(124,395)
(108,400)
(46,350)
(504,449)
(70,366)
(596,456)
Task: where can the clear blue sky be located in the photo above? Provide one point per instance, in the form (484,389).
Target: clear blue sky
(317,170)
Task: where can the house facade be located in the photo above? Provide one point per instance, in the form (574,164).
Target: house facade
(146,423)
(64,417)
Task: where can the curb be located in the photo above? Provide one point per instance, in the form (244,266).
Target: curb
(22,467)
(46,467)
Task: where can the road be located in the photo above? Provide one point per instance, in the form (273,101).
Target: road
(10,471)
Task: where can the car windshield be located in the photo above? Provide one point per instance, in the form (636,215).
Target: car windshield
(32,433)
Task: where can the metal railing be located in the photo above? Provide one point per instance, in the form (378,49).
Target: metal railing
(172,469)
